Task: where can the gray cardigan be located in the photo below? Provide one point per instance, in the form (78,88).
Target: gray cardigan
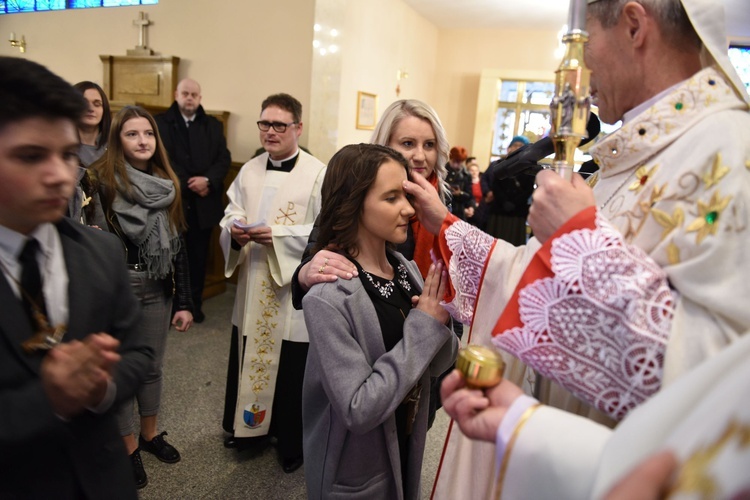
(352,389)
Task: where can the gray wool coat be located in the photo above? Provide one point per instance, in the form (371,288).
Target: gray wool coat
(352,389)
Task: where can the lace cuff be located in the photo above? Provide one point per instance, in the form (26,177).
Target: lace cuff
(599,325)
(469,248)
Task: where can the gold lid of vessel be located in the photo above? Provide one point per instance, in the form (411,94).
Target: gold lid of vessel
(481,366)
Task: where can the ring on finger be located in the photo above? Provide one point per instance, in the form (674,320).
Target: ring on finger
(325,262)
(322,268)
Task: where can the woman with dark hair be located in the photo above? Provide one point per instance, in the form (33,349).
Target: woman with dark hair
(412,128)
(93,129)
(374,341)
(141,196)
(93,132)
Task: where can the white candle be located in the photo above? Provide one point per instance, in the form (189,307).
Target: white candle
(12,37)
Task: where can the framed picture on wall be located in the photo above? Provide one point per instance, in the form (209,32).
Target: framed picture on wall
(366,110)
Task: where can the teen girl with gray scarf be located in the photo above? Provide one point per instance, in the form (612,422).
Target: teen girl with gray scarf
(141,197)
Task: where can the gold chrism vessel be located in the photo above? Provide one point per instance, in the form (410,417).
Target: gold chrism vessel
(481,366)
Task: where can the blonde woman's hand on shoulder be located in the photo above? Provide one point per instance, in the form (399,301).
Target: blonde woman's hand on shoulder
(325,266)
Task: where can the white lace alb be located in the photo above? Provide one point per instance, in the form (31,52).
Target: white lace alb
(470,250)
(599,326)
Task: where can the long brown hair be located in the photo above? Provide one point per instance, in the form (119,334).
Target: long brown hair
(111,166)
(349,176)
(106,122)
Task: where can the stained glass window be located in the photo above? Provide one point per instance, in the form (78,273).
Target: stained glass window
(14,6)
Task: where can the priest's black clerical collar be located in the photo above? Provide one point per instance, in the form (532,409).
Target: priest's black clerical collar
(282,165)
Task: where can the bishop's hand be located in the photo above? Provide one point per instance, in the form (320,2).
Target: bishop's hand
(478,413)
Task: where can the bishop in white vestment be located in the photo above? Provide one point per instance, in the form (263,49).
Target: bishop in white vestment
(647,281)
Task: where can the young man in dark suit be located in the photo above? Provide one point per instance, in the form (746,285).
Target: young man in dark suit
(68,349)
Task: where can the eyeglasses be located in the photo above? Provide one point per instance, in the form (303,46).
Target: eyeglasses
(279,127)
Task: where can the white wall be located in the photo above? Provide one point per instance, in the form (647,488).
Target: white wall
(239,50)
(465,54)
(243,50)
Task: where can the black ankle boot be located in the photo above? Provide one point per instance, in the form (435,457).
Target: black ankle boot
(139,473)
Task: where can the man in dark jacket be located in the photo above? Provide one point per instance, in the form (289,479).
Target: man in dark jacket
(199,155)
(508,200)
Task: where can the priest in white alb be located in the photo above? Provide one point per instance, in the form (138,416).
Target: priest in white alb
(273,203)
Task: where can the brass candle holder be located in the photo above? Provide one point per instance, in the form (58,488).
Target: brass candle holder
(569,108)
(18,42)
(481,366)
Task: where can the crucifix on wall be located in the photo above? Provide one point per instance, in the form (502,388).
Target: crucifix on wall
(142,49)
(400,75)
